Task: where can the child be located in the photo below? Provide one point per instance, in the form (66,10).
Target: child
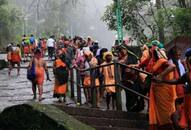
(109,79)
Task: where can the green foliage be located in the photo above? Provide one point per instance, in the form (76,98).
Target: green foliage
(132,22)
(141,14)
(8,22)
(183,20)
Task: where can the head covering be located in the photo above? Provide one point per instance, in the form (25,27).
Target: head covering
(106,54)
(88,53)
(155,43)
(160,53)
(188,52)
(160,45)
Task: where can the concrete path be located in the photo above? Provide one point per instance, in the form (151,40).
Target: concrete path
(17,89)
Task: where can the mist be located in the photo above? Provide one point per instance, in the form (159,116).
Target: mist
(92,25)
(65,17)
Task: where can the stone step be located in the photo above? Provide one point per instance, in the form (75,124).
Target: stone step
(90,112)
(107,123)
(115,128)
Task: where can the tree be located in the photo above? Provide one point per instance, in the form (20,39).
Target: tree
(183,20)
(44,17)
(136,17)
(8,22)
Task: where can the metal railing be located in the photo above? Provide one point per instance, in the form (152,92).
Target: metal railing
(119,86)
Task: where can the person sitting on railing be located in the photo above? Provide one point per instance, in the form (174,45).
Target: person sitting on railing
(90,61)
(109,79)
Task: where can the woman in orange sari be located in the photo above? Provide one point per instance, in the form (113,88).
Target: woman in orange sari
(61,77)
(162,97)
(185,116)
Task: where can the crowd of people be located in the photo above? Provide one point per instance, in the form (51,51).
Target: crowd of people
(168,88)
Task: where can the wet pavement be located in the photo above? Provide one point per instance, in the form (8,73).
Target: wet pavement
(17,89)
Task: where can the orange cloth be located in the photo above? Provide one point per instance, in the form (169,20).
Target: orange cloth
(145,55)
(59,63)
(185,120)
(109,79)
(162,98)
(32,47)
(26,49)
(15,56)
(87,81)
(59,89)
(39,71)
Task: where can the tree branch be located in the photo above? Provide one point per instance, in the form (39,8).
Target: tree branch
(153,14)
(144,20)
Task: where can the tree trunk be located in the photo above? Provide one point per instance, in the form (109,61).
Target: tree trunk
(160,26)
(182,3)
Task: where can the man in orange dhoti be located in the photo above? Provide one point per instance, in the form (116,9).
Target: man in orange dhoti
(15,58)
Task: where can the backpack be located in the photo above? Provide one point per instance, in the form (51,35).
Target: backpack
(31,75)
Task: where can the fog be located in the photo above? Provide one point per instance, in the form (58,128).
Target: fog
(68,17)
(92,24)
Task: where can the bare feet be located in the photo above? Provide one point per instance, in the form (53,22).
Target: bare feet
(34,98)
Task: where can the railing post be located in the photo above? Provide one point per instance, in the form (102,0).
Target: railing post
(93,88)
(72,82)
(118,90)
(79,100)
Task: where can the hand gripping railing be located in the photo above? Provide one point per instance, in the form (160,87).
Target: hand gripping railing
(117,84)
